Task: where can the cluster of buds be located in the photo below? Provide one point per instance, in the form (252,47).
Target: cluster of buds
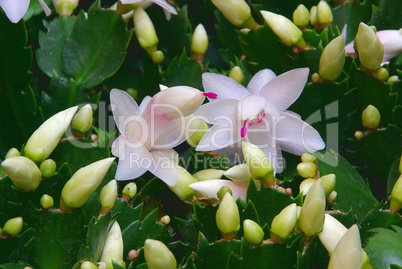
(321,15)
(237,12)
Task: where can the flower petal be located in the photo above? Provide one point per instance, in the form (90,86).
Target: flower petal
(134,161)
(284,90)
(165,6)
(125,111)
(14,9)
(164,166)
(251,106)
(210,188)
(259,80)
(392,41)
(145,103)
(118,146)
(218,110)
(239,173)
(223,86)
(124,2)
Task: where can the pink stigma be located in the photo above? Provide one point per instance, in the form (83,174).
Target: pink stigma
(243,131)
(210,95)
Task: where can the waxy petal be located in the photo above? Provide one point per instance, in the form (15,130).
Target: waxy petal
(392,41)
(145,103)
(124,108)
(240,174)
(163,4)
(14,9)
(164,166)
(225,87)
(210,188)
(134,161)
(118,146)
(218,110)
(251,105)
(258,81)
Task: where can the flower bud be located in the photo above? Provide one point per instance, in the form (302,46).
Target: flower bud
(253,233)
(228,217)
(145,31)
(396,196)
(315,77)
(331,233)
(359,135)
(45,139)
(88,265)
(222,191)
(324,13)
(237,12)
(199,42)
(382,74)
(393,79)
(237,74)
(371,117)
(65,7)
(328,181)
(23,172)
(283,223)
(83,183)
(13,152)
(307,169)
(301,16)
(195,138)
(13,226)
(158,256)
(82,121)
(108,195)
(368,47)
(312,213)
(305,185)
(331,197)
(133,93)
(307,157)
(241,174)
(181,188)
(332,59)
(158,57)
(210,188)
(313,15)
(130,190)
(48,168)
(285,29)
(46,201)
(208,174)
(113,249)
(348,252)
(258,163)
(165,220)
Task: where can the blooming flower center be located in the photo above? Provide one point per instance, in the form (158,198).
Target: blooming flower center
(250,121)
(210,95)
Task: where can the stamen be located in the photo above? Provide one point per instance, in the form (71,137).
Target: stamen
(243,131)
(210,95)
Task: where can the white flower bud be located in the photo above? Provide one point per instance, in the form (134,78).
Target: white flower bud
(237,12)
(145,31)
(228,217)
(82,121)
(283,223)
(108,195)
(208,174)
(199,42)
(113,249)
(158,256)
(23,172)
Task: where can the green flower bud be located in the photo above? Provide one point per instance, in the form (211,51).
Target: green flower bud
(312,213)
(237,74)
(158,256)
(13,152)
(45,139)
(331,233)
(82,121)
(305,185)
(46,201)
(207,174)
(315,77)
(307,169)
(223,190)
(130,190)
(23,172)
(307,157)
(366,264)
(324,13)
(181,188)
(240,174)
(13,226)
(113,249)
(382,74)
(108,195)
(158,57)
(359,135)
(369,48)
(285,29)
(132,92)
(228,217)
(284,223)
(65,7)
(332,59)
(396,196)
(313,15)
(393,79)
(88,265)
(237,12)
(83,183)
(165,220)
(253,233)
(199,42)
(328,181)
(195,138)
(301,16)
(371,117)
(400,166)
(145,31)
(48,168)
(258,163)
(331,197)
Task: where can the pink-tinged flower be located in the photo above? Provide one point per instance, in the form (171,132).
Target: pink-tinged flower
(150,131)
(257,115)
(167,8)
(16,9)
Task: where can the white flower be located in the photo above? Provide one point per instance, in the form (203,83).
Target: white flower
(16,9)
(258,115)
(168,9)
(151,130)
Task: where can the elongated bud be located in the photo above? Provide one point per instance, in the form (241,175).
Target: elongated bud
(181,188)
(301,16)
(328,181)
(88,265)
(237,74)
(13,152)
(348,252)
(208,174)
(129,191)
(228,217)
(331,233)
(324,14)
(113,249)
(48,168)
(305,185)
(158,57)
(332,59)
(237,12)
(313,15)
(396,196)
(23,172)
(210,188)
(158,256)
(253,233)
(45,139)
(369,47)
(145,31)
(382,74)
(13,226)
(195,138)
(307,157)
(283,223)
(65,7)
(258,163)
(312,213)
(108,195)
(82,121)
(46,201)
(371,117)
(199,42)
(307,169)
(285,29)
(83,183)
(222,191)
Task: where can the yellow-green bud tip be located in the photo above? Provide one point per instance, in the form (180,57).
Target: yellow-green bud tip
(222,191)
(307,169)
(196,137)
(113,249)
(108,195)
(258,163)
(13,152)
(393,79)
(369,47)
(235,11)
(396,196)
(315,77)
(88,265)
(23,172)
(371,117)
(48,168)
(283,223)
(82,121)
(228,217)
(46,201)
(165,220)
(181,188)
(313,15)
(65,7)
(237,74)
(332,59)
(307,157)
(13,226)
(253,233)
(324,13)
(301,16)
(158,256)
(328,181)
